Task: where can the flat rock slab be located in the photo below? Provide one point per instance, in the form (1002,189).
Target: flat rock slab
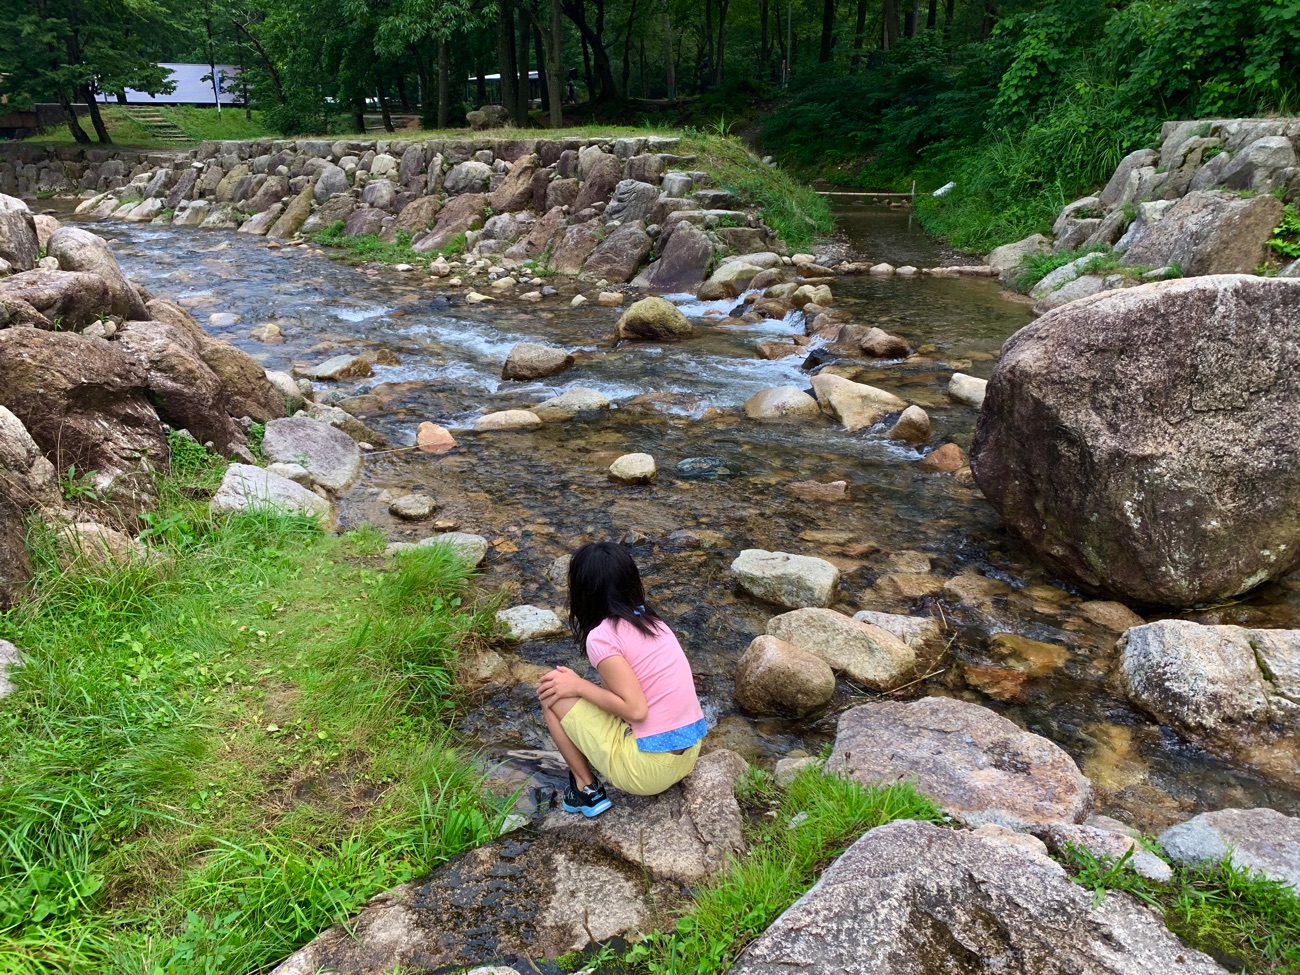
(331,457)
(544,891)
(1263,840)
(531,623)
(975,764)
(793,581)
(247,488)
(911,898)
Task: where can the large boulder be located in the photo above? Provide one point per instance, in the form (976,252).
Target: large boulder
(461,214)
(683,263)
(80,250)
(617,257)
(516,191)
(780,403)
(247,488)
(1210,232)
(632,200)
(654,320)
(65,299)
(776,677)
(855,405)
(467,177)
(19,244)
(911,898)
(1234,691)
(85,404)
(574,246)
(330,456)
(1260,840)
(27,478)
(793,581)
(294,215)
(975,764)
(864,653)
(528,361)
(1260,165)
(1144,442)
(545,891)
(598,182)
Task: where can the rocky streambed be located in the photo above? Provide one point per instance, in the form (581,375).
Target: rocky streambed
(905,537)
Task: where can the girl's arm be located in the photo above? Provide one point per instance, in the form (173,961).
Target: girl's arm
(621,694)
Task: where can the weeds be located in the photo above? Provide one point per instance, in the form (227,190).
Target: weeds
(1286,235)
(370,249)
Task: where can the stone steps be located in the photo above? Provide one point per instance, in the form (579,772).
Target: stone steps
(157,125)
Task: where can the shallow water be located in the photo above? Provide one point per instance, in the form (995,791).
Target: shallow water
(538,495)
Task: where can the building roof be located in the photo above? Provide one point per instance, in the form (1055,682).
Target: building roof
(193,87)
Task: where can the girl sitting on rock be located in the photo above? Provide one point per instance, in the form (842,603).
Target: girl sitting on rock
(641,726)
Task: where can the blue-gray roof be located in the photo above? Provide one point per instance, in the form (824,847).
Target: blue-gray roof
(193,87)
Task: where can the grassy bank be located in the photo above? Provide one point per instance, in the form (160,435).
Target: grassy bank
(198,124)
(212,755)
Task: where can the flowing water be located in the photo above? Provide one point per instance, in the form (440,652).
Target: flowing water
(538,495)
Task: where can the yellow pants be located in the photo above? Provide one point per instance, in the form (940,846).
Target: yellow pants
(610,747)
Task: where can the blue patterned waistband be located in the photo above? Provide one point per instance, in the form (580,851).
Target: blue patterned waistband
(671,741)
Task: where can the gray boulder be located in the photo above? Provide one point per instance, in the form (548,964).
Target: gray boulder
(248,488)
(975,764)
(1259,165)
(1261,840)
(528,361)
(1111,194)
(329,455)
(632,200)
(19,244)
(911,898)
(331,180)
(617,257)
(793,581)
(80,250)
(1210,232)
(682,265)
(866,654)
(467,177)
(598,182)
(1142,442)
(64,299)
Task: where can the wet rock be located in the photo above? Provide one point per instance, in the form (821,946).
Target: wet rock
(881,345)
(571,881)
(1125,438)
(1111,615)
(329,454)
(43,298)
(653,320)
(527,362)
(864,653)
(967,389)
(831,491)
(80,250)
(734,276)
(85,403)
(1261,840)
(570,403)
(913,426)
(915,631)
(1109,846)
(907,587)
(775,677)
(19,244)
(911,897)
(525,623)
(681,265)
(269,333)
(507,420)
(975,764)
(617,257)
(413,507)
(772,351)
(633,469)
(947,459)
(781,403)
(855,405)
(1210,232)
(434,439)
(248,488)
(794,581)
(338,368)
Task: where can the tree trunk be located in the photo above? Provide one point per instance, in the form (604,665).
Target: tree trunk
(593,38)
(444,84)
(480,87)
(913,15)
(990,17)
(509,72)
(586,67)
(890,30)
(383,107)
(555,67)
(706,55)
(543,77)
(828,32)
(525,102)
(949,11)
(670,62)
(96,119)
(74,124)
(627,46)
(932,15)
(359,115)
(720,51)
(645,79)
(402,98)
(764,54)
(859,31)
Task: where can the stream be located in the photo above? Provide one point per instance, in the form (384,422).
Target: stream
(536,496)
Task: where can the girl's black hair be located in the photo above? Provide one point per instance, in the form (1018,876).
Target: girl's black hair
(604,582)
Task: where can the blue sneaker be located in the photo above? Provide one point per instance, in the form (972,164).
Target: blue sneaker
(591,801)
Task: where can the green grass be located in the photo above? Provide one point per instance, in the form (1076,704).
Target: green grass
(198,123)
(1246,922)
(798,833)
(1038,266)
(1286,235)
(213,754)
(370,249)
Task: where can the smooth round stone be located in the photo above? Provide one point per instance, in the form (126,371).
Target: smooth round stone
(508,420)
(413,507)
(633,469)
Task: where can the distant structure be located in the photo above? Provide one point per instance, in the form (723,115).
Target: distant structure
(193,87)
(492,89)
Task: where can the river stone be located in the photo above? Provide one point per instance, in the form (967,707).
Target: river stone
(1210,232)
(528,361)
(294,215)
(912,898)
(575,246)
(246,488)
(331,180)
(794,581)
(880,344)
(632,200)
(682,264)
(507,420)
(915,631)
(19,244)
(913,426)
(734,276)
(975,764)
(1143,442)
(653,320)
(1261,840)
(293,472)
(431,438)
(66,299)
(524,623)
(460,215)
(329,454)
(780,403)
(547,891)
(967,389)
(338,368)
(617,257)
(866,654)
(855,405)
(413,507)
(80,250)
(516,192)
(775,677)
(570,403)
(633,469)
(471,548)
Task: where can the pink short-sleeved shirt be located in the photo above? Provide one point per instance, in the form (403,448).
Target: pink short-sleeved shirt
(674,718)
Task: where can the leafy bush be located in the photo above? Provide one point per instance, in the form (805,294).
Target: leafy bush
(1286,235)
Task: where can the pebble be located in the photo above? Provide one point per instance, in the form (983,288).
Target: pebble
(434,439)
(633,469)
(413,507)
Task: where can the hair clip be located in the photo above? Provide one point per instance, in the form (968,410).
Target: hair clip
(638,611)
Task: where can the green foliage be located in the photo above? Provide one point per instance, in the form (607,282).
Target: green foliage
(1244,920)
(1286,235)
(810,823)
(369,248)
(78,485)
(212,754)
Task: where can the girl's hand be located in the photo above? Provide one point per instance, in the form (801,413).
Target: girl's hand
(558,684)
